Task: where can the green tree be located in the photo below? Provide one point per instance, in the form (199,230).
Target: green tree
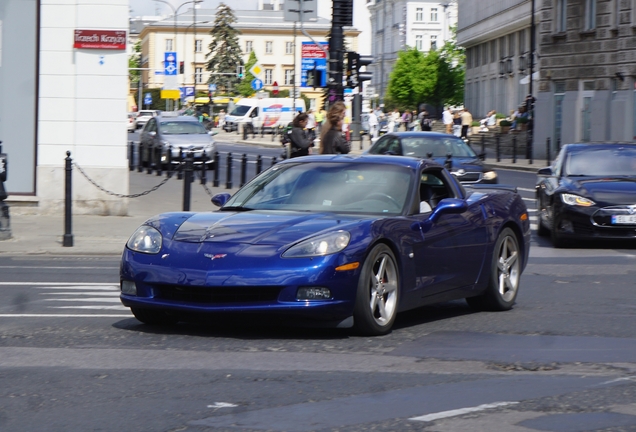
(245,86)
(225,52)
(134,61)
(454,58)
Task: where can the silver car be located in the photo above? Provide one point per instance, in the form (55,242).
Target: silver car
(144,116)
(169,139)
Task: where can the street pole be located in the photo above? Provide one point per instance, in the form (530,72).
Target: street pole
(336,46)
(530,98)
(294,74)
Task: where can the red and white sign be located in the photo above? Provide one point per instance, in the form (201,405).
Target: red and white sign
(311,50)
(275,87)
(100,39)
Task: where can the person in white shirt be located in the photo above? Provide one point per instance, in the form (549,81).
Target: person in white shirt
(373,125)
(447,118)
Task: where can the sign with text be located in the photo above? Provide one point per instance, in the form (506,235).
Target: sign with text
(313,58)
(100,39)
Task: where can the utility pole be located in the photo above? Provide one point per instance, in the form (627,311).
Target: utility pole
(530,97)
(342,15)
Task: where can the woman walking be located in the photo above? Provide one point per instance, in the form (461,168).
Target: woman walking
(331,139)
(300,141)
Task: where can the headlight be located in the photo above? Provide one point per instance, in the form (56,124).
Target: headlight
(319,246)
(571,199)
(145,240)
(490,175)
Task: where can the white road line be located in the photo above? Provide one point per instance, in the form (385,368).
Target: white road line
(121,307)
(64,316)
(526,189)
(461,411)
(63,284)
(58,268)
(94,293)
(529,199)
(92,299)
(84,288)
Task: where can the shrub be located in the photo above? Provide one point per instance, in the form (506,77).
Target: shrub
(475,124)
(505,123)
(522,120)
(500,116)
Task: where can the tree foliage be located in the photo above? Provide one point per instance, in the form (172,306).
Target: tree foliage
(225,52)
(245,86)
(134,61)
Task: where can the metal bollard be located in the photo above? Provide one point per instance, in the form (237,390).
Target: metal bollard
(169,171)
(140,165)
(274,161)
(180,171)
(245,131)
(547,151)
(159,164)
(151,159)
(204,160)
(243,169)
(259,164)
(514,149)
(187,180)
(68,196)
(228,178)
(215,167)
(253,130)
(483,146)
(131,156)
(498,147)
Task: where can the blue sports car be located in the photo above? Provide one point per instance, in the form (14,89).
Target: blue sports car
(337,240)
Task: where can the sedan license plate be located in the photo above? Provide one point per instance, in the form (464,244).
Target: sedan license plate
(624,220)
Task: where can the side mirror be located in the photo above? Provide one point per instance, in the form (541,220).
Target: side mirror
(152,134)
(220,199)
(547,171)
(212,133)
(448,206)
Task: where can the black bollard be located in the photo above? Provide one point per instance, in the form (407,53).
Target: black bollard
(547,151)
(187,180)
(68,196)
(131,156)
(514,149)
(498,147)
(228,178)
(180,171)
(140,165)
(158,159)
(244,131)
(204,163)
(215,167)
(274,161)
(151,158)
(170,168)
(483,146)
(243,169)
(259,164)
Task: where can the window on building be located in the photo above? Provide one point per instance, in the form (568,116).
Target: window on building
(269,47)
(493,51)
(168,44)
(561,16)
(269,76)
(198,75)
(418,42)
(433,42)
(588,85)
(590,15)
(434,14)
(198,45)
(511,45)
(522,41)
(289,47)
(502,47)
(419,14)
(249,46)
(477,60)
(289,76)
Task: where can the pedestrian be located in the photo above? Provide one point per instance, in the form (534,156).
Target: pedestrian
(221,118)
(300,142)
(331,139)
(447,118)
(457,124)
(467,121)
(426,122)
(415,124)
(311,123)
(320,117)
(406,119)
(373,126)
(394,120)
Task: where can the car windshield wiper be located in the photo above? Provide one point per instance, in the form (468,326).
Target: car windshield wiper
(236,208)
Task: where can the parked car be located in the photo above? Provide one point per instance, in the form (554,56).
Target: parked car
(167,138)
(132,121)
(335,240)
(457,155)
(589,192)
(144,116)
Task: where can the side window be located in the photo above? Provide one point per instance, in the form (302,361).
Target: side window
(434,187)
(151,125)
(389,145)
(254,113)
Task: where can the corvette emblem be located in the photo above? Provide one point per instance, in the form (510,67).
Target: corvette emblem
(216,256)
(631,209)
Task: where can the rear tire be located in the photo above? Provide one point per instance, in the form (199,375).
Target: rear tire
(505,273)
(153,316)
(378,293)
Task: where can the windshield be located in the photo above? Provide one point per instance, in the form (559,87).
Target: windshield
(615,161)
(330,187)
(240,110)
(181,128)
(423,147)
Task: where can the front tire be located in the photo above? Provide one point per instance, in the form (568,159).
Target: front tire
(378,293)
(505,274)
(153,316)
(542,231)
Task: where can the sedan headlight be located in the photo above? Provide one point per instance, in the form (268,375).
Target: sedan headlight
(326,244)
(145,240)
(490,175)
(576,200)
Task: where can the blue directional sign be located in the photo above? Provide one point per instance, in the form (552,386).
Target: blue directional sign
(147,99)
(257,84)
(313,58)
(186,91)
(170,63)
(212,87)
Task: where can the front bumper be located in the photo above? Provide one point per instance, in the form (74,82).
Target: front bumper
(590,223)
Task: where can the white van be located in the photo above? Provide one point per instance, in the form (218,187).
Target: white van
(268,113)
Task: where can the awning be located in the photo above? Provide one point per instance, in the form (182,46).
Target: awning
(526,79)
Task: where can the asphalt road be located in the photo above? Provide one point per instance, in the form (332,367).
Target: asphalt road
(564,359)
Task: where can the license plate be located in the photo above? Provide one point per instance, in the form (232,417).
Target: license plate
(624,220)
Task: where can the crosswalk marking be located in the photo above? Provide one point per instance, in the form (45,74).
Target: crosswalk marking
(90,299)
(120,307)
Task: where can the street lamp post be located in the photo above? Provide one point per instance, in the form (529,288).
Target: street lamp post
(530,98)
(185,34)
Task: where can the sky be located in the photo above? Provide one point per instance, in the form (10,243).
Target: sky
(360,13)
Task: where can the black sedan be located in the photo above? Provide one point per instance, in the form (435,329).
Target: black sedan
(448,150)
(589,192)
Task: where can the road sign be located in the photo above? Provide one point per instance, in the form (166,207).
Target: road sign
(313,58)
(212,87)
(256,70)
(147,99)
(275,87)
(257,84)
(170,63)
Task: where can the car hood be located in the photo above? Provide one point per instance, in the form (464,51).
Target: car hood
(468,164)
(259,227)
(188,140)
(605,190)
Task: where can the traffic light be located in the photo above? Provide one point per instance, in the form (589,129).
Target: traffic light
(181,67)
(314,78)
(352,69)
(364,61)
(342,14)
(240,71)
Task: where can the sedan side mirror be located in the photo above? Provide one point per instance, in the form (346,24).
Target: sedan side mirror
(212,133)
(547,171)
(220,199)
(152,133)
(445,206)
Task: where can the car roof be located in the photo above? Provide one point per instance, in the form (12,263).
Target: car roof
(421,134)
(596,145)
(405,161)
(177,118)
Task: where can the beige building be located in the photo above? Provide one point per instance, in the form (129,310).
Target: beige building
(264,32)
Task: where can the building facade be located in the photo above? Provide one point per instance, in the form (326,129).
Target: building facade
(399,24)
(276,43)
(63,91)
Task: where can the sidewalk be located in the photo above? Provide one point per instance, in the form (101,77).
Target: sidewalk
(107,235)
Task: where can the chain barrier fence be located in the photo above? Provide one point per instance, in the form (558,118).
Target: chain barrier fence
(511,146)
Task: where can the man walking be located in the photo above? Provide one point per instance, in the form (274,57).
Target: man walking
(447,118)
(467,121)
